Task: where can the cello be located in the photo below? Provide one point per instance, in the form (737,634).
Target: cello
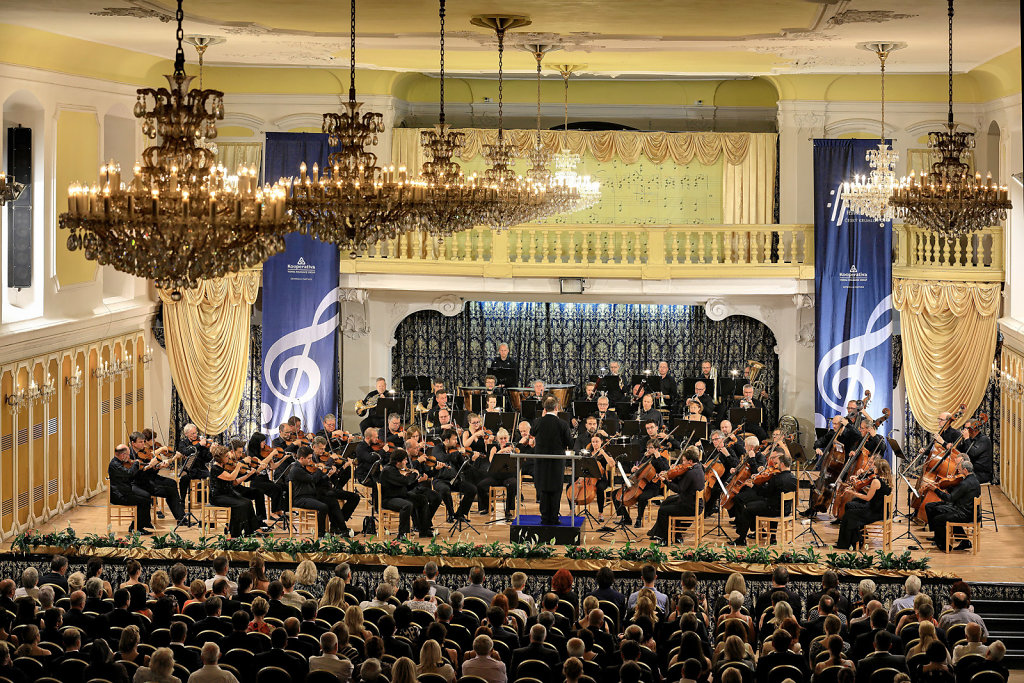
(846,490)
(585,488)
(712,468)
(737,480)
(832,466)
(645,474)
(857,462)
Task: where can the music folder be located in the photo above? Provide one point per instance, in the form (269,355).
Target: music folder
(501,463)
(496,421)
(627,454)
(690,386)
(684,428)
(506,377)
(630,428)
(581,409)
(625,409)
(389,404)
(745,416)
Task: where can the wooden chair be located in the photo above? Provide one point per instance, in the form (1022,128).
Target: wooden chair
(494,494)
(971,530)
(881,529)
(303,521)
(677,525)
(210,516)
(785,524)
(386,517)
(120,514)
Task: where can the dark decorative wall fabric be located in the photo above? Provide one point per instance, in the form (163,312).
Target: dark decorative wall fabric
(566,343)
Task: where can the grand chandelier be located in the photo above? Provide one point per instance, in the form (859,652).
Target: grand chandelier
(181,218)
(869,196)
(587,192)
(354,203)
(949,200)
(539,156)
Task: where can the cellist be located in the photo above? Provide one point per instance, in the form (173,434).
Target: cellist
(449,460)
(868,496)
(848,436)
(762,499)
(957,505)
(596,448)
(680,503)
(729,461)
(656,445)
(977,448)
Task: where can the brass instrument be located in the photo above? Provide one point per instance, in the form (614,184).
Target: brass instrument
(755,370)
(714,381)
(362,407)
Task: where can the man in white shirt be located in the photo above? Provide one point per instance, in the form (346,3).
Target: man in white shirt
(210,671)
(974,646)
(649,575)
(484,663)
(519,583)
(329,660)
(913,587)
(220,571)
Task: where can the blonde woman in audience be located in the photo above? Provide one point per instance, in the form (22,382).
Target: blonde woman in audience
(158,584)
(160,669)
(735,605)
(128,646)
(76,582)
(260,581)
(432,663)
(590,603)
(403,671)
(736,583)
(732,627)
(834,647)
(334,593)
(260,607)
(525,599)
(780,612)
(306,574)
(354,622)
(926,635)
(198,590)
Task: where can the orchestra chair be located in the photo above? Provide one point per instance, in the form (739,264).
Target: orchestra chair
(988,514)
(119,514)
(784,525)
(386,517)
(302,521)
(195,497)
(881,529)
(971,530)
(494,494)
(211,516)
(696,522)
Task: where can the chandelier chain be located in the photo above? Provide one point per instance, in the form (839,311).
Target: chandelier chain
(950,119)
(882,56)
(565,82)
(352,55)
(179,54)
(539,55)
(501,54)
(440,13)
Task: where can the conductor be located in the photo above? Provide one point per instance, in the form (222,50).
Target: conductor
(552,437)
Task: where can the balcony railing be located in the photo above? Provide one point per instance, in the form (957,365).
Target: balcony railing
(660,252)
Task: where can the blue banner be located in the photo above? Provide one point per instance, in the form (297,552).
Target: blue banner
(300,306)
(853,290)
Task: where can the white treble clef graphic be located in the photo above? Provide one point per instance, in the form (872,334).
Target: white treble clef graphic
(285,380)
(853,372)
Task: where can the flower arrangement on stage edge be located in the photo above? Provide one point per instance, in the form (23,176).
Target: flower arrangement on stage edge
(67,539)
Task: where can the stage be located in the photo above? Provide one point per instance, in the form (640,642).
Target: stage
(1000,558)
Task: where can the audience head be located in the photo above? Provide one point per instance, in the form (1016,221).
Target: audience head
(306,573)
(538,633)
(996,651)
(575,648)
(482,645)
(734,648)
(649,574)
(561,582)
(781,640)
(913,584)
(329,643)
(210,653)
(476,575)
(780,576)
(959,601)
(161,662)
(630,672)
(936,652)
(260,606)
(572,669)
(736,582)
(370,669)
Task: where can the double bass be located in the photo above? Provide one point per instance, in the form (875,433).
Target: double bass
(942,464)
(831,467)
(856,462)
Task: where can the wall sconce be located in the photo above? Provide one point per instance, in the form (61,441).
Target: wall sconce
(14,401)
(74,383)
(146,357)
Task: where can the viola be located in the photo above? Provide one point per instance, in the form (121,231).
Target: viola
(679,470)
(765,474)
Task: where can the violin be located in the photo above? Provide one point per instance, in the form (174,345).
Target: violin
(765,474)
(679,470)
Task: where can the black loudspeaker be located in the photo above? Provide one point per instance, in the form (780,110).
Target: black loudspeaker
(19,213)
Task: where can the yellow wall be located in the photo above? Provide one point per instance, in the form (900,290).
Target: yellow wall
(78,160)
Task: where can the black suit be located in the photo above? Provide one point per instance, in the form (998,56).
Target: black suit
(979,451)
(879,660)
(552,436)
(372,419)
(306,488)
(763,501)
(956,506)
(199,468)
(187,658)
(280,610)
(864,644)
(774,659)
(55,578)
(535,651)
(124,491)
(296,667)
(211,624)
(123,618)
(237,639)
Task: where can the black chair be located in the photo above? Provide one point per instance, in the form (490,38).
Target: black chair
(461,635)
(310,641)
(32,668)
(422,617)
(374,614)
(523,679)
(261,641)
(181,672)
(611,610)
(231,670)
(160,637)
(966,666)
(98,680)
(52,648)
(472,679)
(908,611)
(886,675)
(332,615)
(72,670)
(955,634)
(988,677)
(503,651)
(829,674)
(197,611)
(477,606)
(909,631)
(422,678)
(129,667)
(532,668)
(241,659)
(783,671)
(593,669)
(351,599)
(145,649)
(189,621)
(321,676)
(567,610)
(207,636)
(47,679)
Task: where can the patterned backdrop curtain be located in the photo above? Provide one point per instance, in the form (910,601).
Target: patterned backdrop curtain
(566,343)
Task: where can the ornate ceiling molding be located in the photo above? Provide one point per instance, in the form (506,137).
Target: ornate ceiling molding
(136,12)
(856,16)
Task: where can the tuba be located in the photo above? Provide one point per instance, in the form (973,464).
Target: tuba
(755,370)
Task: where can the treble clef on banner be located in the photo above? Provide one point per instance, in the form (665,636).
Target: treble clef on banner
(284,379)
(854,371)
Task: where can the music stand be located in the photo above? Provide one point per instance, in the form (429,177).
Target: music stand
(630,428)
(501,463)
(461,521)
(565,417)
(691,432)
(583,409)
(745,417)
(898,452)
(529,408)
(389,404)
(718,529)
(496,421)
(586,468)
(506,376)
(690,387)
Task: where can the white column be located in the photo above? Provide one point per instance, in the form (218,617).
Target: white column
(799,123)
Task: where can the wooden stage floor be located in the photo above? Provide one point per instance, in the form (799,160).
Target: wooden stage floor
(1000,559)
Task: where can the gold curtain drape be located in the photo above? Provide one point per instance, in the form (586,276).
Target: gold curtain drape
(207,335)
(748,179)
(949,338)
(232,154)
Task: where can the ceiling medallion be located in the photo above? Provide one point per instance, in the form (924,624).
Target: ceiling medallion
(949,200)
(181,218)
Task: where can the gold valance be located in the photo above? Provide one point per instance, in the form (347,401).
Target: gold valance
(208,346)
(949,339)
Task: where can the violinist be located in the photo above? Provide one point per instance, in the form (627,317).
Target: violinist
(196,450)
(287,438)
(647,411)
(333,486)
(124,491)
(475,437)
(397,484)
(729,461)
(762,499)
(369,452)
(657,446)
(295,422)
(308,479)
(607,465)
(263,481)
(149,479)
(607,418)
(525,442)
(977,447)
(611,385)
(869,492)
(224,494)
(449,459)
(684,486)
(552,436)
(336,438)
(957,505)
(395,435)
(371,419)
(502,446)
(732,441)
(252,472)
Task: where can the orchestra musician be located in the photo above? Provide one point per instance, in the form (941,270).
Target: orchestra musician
(539,390)
(957,505)
(977,448)
(732,441)
(665,385)
(265,481)
(612,385)
(647,412)
(747,402)
(705,371)
(589,391)
(525,442)
(196,450)
(369,452)
(333,485)
(657,444)
(700,392)
(694,408)
(336,438)
(224,494)
(729,460)
(425,465)
(123,490)
(585,435)
(258,486)
(849,436)
(148,477)
(552,437)
(875,444)
(607,418)
(502,446)
(492,404)
(596,450)
(287,438)
(450,458)
(371,419)
(476,441)
(399,493)
(439,403)
(763,499)
(491,388)
(308,479)
(684,488)
(506,362)
(866,506)
(854,414)
(395,435)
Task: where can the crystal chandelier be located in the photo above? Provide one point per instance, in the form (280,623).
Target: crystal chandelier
(201,44)
(181,218)
(355,202)
(540,156)
(949,201)
(869,196)
(587,191)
